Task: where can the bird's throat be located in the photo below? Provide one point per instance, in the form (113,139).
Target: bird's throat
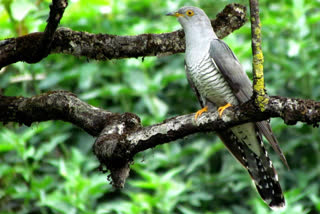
(196,50)
(197,43)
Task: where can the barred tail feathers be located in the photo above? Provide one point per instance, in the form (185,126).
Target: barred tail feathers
(259,167)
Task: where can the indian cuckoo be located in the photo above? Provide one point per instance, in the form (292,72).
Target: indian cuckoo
(219,81)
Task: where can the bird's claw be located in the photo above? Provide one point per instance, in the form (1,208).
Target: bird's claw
(222,108)
(198,113)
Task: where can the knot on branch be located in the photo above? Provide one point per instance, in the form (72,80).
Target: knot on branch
(113,150)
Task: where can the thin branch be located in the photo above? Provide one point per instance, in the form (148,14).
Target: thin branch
(33,47)
(259,91)
(56,12)
(106,46)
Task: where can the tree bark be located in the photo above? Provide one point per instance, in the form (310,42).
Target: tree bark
(121,136)
(29,48)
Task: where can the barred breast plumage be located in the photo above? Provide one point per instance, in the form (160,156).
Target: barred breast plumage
(210,82)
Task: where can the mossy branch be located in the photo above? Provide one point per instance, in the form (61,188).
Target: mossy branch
(259,91)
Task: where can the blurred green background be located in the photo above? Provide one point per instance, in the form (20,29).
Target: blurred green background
(50,168)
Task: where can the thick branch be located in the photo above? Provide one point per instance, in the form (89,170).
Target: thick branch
(259,91)
(290,110)
(56,105)
(105,46)
(63,105)
(116,147)
(120,136)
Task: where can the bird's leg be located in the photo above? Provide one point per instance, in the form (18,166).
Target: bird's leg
(222,108)
(198,113)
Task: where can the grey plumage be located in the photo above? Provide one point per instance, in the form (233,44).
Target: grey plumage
(217,78)
(241,86)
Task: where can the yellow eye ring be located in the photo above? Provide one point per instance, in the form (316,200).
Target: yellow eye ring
(190,13)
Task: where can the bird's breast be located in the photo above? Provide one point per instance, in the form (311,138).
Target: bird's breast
(210,82)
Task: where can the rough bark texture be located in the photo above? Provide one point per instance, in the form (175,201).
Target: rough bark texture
(105,46)
(121,136)
(63,105)
(55,105)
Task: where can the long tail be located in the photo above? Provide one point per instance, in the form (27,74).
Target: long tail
(259,167)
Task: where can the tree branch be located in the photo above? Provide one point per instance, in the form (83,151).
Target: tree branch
(121,136)
(56,12)
(35,46)
(259,91)
(55,105)
(106,46)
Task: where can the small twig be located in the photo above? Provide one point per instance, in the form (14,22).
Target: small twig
(56,12)
(33,47)
(259,92)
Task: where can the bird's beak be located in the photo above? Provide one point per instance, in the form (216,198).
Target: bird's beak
(176,14)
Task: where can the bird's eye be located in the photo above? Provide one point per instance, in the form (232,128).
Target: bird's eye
(190,12)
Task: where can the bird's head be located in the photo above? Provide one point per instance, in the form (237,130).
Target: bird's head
(191,17)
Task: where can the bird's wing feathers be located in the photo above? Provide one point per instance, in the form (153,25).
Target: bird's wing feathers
(231,69)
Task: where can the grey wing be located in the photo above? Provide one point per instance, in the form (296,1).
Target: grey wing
(230,67)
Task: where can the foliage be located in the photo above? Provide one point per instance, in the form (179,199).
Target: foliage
(49,167)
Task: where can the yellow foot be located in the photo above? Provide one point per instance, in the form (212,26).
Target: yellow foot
(222,108)
(198,113)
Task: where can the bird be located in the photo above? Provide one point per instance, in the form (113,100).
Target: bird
(219,81)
